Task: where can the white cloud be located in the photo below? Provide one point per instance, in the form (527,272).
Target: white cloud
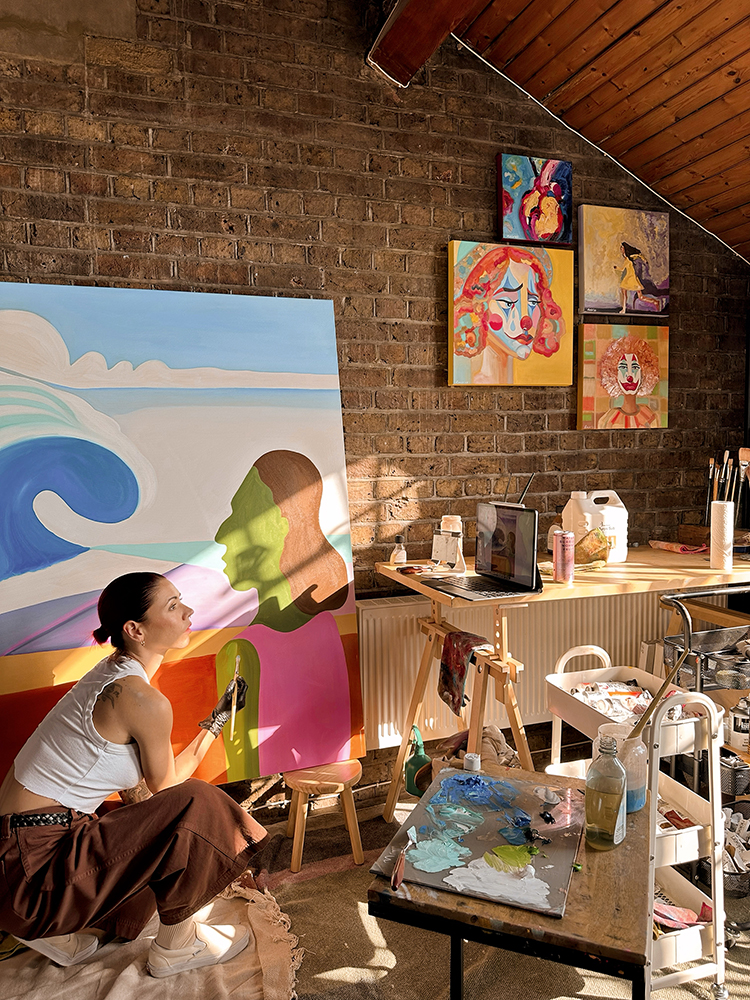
(31,346)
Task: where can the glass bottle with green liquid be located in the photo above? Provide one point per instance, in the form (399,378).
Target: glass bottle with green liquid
(605,797)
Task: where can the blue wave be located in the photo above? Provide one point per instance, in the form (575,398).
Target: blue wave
(93,481)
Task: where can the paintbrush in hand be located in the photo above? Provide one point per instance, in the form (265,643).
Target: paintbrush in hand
(234,696)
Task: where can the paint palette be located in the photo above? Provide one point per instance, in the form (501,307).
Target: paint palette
(507,840)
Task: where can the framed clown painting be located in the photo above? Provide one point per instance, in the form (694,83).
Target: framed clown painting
(623,376)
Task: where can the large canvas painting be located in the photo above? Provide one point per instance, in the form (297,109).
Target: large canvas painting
(623,261)
(511,315)
(535,198)
(198,436)
(623,376)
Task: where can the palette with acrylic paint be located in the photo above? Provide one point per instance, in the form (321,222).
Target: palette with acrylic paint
(503,839)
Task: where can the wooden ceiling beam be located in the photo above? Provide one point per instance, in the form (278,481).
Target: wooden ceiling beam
(731,236)
(523,30)
(605,112)
(625,54)
(704,169)
(491,23)
(545,49)
(597,30)
(707,145)
(414,31)
(708,90)
(684,130)
(729,191)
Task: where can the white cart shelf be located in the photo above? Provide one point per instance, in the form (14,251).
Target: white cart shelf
(704,946)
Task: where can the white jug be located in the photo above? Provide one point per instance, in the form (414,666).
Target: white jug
(580,515)
(612,517)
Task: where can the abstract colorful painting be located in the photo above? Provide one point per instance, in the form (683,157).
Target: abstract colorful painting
(511,315)
(623,376)
(198,436)
(503,839)
(623,261)
(535,198)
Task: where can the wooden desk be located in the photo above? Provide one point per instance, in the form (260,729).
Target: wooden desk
(646,570)
(605,927)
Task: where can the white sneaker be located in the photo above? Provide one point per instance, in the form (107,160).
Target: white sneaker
(65,949)
(213,945)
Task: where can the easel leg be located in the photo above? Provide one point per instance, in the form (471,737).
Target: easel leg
(415,707)
(478,703)
(516,726)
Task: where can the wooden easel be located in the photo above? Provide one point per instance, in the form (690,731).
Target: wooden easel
(499,665)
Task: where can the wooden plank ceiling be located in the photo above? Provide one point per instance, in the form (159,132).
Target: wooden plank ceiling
(663,86)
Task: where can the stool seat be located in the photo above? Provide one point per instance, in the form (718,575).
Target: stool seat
(327,779)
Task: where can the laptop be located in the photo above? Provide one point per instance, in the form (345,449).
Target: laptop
(505,562)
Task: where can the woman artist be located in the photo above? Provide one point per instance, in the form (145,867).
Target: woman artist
(65,870)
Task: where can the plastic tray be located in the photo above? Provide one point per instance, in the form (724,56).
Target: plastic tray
(677,737)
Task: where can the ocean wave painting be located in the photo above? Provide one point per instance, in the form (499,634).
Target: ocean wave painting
(129,421)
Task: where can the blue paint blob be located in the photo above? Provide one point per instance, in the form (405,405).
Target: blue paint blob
(513,835)
(93,482)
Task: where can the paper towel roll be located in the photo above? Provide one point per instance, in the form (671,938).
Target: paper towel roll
(722,534)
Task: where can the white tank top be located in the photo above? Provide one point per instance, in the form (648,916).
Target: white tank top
(66,759)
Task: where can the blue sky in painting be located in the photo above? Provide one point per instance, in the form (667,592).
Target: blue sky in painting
(192,330)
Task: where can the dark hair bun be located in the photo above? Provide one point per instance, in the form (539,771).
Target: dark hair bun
(101,635)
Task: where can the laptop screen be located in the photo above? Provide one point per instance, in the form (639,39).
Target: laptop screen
(506,543)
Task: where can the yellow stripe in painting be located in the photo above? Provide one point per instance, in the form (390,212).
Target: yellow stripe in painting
(26,671)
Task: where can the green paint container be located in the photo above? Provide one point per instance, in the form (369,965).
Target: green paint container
(416,761)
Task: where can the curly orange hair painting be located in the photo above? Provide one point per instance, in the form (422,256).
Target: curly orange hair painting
(471,307)
(607,367)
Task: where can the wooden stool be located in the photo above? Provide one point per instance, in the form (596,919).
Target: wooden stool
(328,779)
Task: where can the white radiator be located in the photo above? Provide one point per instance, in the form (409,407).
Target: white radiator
(391,645)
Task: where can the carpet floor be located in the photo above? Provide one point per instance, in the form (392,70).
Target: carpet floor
(352,956)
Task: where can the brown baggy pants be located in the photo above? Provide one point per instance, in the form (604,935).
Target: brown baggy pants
(172,853)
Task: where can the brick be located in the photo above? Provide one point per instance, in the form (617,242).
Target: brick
(134,56)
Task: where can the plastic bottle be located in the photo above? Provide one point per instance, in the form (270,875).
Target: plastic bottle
(579,515)
(612,517)
(633,756)
(398,555)
(605,798)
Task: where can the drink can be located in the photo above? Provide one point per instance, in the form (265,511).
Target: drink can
(563,556)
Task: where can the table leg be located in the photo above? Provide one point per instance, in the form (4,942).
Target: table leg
(639,986)
(457,968)
(415,707)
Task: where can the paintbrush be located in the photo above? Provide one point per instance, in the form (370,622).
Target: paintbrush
(723,477)
(526,488)
(234,696)
(744,459)
(711,466)
(728,487)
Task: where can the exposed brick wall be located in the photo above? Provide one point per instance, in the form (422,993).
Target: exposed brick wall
(245,146)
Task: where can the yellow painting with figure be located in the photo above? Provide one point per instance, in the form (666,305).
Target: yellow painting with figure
(510,315)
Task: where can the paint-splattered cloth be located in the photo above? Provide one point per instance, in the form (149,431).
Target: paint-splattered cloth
(458,648)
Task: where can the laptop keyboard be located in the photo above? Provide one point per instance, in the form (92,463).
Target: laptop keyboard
(479,587)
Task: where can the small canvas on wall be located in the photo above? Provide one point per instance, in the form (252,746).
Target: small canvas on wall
(511,315)
(624,261)
(624,376)
(535,198)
